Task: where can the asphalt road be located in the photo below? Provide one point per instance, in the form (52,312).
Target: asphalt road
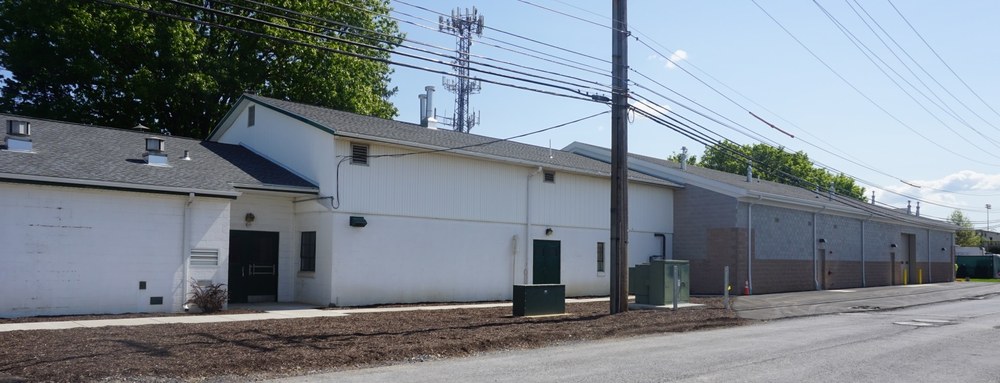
(954,341)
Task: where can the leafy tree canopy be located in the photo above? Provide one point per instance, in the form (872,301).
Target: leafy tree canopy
(966,236)
(775,164)
(90,62)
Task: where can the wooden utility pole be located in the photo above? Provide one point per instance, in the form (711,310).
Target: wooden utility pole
(619,157)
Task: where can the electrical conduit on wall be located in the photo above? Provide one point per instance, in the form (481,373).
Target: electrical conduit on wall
(185,249)
(527,225)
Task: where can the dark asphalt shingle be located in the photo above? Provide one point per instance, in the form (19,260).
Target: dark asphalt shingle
(379,128)
(84,152)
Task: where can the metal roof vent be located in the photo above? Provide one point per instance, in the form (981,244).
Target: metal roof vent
(155,154)
(18,136)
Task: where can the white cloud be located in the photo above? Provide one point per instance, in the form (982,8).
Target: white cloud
(678,56)
(966,189)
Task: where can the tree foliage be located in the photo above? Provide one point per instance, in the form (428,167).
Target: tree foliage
(95,63)
(966,236)
(775,164)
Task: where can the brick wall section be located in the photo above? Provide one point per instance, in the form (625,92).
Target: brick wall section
(778,276)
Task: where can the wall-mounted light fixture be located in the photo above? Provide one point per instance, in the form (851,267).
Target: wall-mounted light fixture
(892,245)
(548,231)
(822,240)
(249,218)
(942,249)
(357,221)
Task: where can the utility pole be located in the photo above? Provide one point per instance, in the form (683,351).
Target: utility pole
(619,157)
(463,25)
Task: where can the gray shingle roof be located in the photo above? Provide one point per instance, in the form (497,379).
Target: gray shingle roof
(377,128)
(89,153)
(803,195)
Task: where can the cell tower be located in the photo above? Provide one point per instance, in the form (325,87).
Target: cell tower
(462,25)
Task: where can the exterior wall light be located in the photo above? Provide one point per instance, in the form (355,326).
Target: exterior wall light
(249,218)
(357,221)
(548,231)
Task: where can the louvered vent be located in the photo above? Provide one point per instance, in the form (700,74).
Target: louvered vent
(359,154)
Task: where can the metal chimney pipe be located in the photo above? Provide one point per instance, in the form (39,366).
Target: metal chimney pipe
(423,109)
(749,173)
(429,107)
(684,157)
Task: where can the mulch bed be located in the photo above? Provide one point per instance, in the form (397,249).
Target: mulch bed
(239,351)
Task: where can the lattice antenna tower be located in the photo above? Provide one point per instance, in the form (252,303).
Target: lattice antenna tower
(463,25)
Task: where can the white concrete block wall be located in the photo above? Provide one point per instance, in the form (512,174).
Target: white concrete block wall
(75,251)
(314,287)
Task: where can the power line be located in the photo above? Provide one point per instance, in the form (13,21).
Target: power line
(356,55)
(862,94)
(914,29)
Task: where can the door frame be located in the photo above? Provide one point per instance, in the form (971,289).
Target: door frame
(243,290)
(537,257)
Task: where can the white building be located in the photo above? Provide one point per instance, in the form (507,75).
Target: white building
(408,213)
(99,220)
(291,202)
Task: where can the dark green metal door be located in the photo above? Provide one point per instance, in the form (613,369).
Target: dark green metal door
(253,266)
(546,262)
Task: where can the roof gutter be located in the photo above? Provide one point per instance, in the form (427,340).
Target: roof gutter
(33,179)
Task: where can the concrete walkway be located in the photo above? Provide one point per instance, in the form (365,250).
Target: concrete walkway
(808,303)
(268,311)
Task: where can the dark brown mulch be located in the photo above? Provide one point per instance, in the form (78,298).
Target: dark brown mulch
(260,349)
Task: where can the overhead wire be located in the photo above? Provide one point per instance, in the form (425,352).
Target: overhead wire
(862,94)
(358,55)
(869,54)
(952,70)
(759,138)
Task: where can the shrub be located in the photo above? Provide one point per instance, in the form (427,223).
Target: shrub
(209,298)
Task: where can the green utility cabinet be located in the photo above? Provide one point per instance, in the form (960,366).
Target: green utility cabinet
(539,299)
(653,283)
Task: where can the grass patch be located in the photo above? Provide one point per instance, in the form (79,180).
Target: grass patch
(994,280)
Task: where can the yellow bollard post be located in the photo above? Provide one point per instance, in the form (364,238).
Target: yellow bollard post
(906,277)
(920,276)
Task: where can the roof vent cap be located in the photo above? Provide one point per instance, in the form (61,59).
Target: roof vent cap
(18,128)
(18,136)
(155,154)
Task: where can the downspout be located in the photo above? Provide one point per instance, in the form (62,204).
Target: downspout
(750,243)
(663,244)
(864,274)
(816,249)
(527,226)
(185,249)
(929,256)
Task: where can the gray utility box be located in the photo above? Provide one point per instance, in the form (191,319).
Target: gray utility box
(653,283)
(539,300)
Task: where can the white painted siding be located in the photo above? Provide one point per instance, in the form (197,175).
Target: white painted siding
(441,227)
(69,250)
(296,146)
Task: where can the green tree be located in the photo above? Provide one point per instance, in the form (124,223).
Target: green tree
(95,63)
(775,164)
(966,236)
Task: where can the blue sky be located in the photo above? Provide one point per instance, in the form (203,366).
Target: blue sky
(736,43)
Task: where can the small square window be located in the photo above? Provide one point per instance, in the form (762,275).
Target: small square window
(600,257)
(307,251)
(359,154)
(550,177)
(251,115)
